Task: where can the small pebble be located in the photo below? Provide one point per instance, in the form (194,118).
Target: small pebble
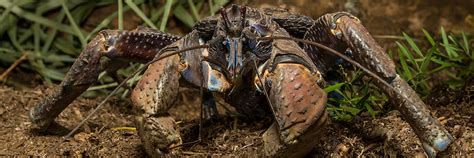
(420,155)
(458,131)
(342,149)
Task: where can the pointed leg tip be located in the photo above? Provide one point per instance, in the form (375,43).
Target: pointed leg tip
(33,116)
(439,144)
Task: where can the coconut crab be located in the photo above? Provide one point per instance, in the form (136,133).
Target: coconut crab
(240,55)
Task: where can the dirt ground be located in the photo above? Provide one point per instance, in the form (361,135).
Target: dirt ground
(109,132)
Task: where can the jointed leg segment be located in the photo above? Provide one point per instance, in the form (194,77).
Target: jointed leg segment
(348,30)
(154,94)
(117,45)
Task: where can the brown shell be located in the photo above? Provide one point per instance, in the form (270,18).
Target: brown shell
(298,101)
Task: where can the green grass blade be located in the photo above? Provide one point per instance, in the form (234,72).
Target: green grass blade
(12,33)
(412,44)
(105,23)
(338,91)
(184,16)
(333,87)
(403,49)
(455,47)
(40,66)
(443,65)
(65,47)
(362,100)
(465,44)
(142,15)
(446,44)
(120,14)
(7,50)
(36,30)
(429,38)
(48,6)
(24,36)
(453,56)
(405,68)
(352,110)
(211,8)
(52,33)
(157,13)
(77,30)
(219,4)
(6,12)
(104,86)
(81,12)
(371,110)
(194,10)
(166,14)
(427,60)
(53,74)
(200,4)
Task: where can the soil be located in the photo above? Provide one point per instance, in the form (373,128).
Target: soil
(111,132)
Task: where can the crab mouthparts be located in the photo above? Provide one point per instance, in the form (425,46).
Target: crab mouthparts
(234,58)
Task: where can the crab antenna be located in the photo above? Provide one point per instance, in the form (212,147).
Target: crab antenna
(260,78)
(385,82)
(224,16)
(161,56)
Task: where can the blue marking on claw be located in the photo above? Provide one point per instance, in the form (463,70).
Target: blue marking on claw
(441,143)
(214,84)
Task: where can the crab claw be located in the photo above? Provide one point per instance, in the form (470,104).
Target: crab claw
(299,106)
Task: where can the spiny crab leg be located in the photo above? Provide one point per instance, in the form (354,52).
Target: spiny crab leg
(117,45)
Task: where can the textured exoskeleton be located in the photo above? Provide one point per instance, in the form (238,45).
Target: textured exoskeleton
(241,68)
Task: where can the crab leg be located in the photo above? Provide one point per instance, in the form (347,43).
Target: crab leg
(140,45)
(156,93)
(345,27)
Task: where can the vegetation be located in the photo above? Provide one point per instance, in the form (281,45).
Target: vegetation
(447,60)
